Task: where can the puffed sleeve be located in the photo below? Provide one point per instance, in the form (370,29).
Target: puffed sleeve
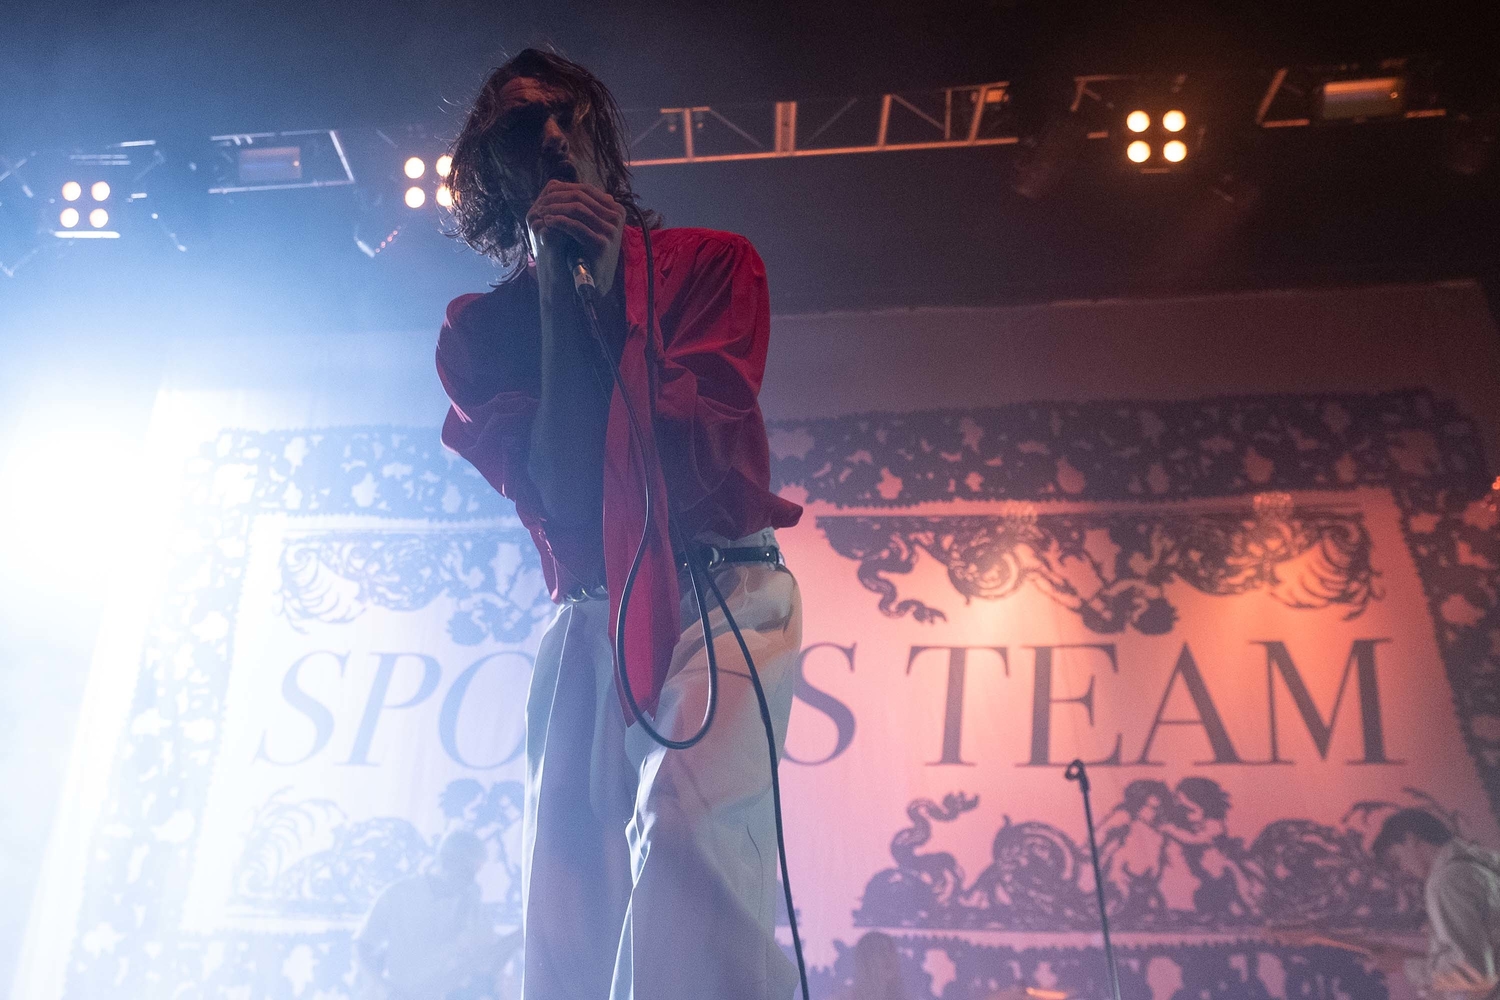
(489,421)
(487,377)
(714,360)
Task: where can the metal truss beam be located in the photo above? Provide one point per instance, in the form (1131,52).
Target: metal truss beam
(953,117)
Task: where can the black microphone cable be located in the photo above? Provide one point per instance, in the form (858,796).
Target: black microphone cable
(583,283)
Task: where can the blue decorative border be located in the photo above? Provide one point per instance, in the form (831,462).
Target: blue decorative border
(128,942)
(1423,450)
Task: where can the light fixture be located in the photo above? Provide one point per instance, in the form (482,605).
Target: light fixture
(1371,98)
(415,197)
(72,191)
(444,196)
(268,166)
(1175,151)
(1174,121)
(444,165)
(100,190)
(415,167)
(1138,151)
(98,218)
(1138,121)
(68,218)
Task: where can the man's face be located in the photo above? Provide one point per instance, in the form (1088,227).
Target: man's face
(540,128)
(1412,856)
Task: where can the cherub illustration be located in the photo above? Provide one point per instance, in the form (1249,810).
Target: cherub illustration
(1134,851)
(1198,843)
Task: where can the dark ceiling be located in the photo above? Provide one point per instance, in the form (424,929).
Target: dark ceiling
(78,69)
(1367,203)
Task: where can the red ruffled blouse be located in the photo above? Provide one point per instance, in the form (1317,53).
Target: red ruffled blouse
(712,470)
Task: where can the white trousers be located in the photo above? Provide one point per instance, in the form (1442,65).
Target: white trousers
(650,874)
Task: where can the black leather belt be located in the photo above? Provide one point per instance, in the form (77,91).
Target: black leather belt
(712,556)
(580,593)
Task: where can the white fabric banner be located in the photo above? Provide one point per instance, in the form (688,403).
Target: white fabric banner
(1256,592)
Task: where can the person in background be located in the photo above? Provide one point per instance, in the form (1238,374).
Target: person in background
(427,936)
(1462,898)
(877,970)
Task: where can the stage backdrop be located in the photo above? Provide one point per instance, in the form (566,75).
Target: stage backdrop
(1234,552)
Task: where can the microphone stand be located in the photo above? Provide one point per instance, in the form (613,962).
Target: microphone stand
(1077,772)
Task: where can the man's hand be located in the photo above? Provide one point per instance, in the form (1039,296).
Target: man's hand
(588,217)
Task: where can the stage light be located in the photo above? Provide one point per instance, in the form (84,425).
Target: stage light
(1175,151)
(100,190)
(1138,121)
(1372,98)
(415,197)
(1174,121)
(269,166)
(444,196)
(444,165)
(98,218)
(72,191)
(1138,151)
(415,167)
(68,218)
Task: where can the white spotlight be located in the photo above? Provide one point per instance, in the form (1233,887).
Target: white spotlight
(444,165)
(72,191)
(1174,121)
(98,218)
(415,197)
(444,196)
(1175,151)
(1137,121)
(1138,151)
(415,167)
(100,190)
(68,218)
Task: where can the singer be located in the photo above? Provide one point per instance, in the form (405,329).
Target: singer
(647,874)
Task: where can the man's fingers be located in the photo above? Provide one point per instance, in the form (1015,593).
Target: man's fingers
(583,197)
(598,234)
(580,208)
(586,237)
(599,197)
(603,202)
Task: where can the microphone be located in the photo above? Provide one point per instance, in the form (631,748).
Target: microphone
(583,278)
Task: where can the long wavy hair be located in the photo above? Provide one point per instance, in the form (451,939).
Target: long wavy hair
(489,213)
